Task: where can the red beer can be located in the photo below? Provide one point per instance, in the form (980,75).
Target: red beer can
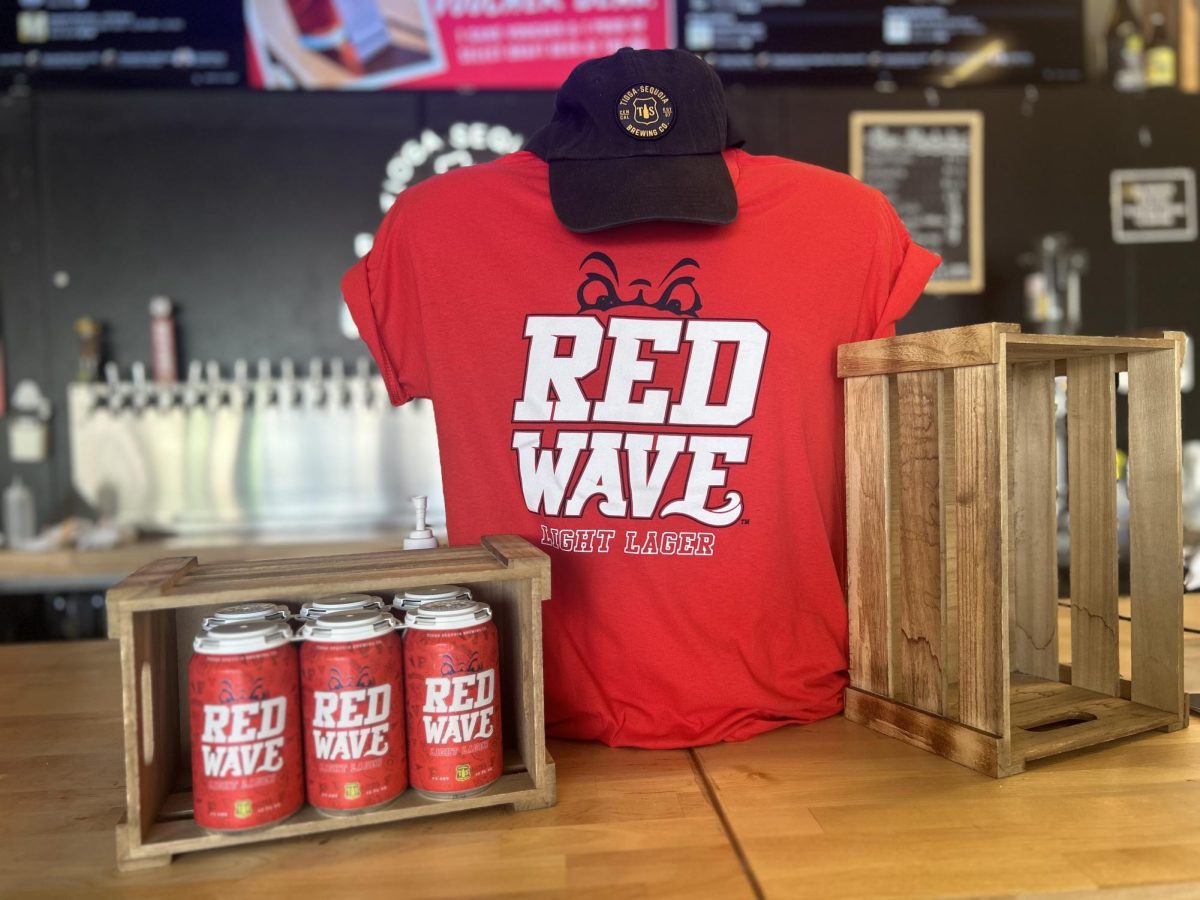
(244,708)
(452,690)
(351,684)
(338,603)
(247,612)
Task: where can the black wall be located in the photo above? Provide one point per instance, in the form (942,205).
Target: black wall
(243,208)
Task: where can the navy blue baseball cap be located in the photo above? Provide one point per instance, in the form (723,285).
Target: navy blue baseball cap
(637,137)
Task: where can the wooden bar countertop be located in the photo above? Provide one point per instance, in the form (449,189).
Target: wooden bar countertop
(827,810)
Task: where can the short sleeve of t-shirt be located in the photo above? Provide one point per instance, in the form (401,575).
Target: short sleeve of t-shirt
(381,292)
(899,272)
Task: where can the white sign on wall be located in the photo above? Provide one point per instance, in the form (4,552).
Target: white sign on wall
(1153,206)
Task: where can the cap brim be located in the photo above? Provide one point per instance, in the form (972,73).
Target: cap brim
(594,194)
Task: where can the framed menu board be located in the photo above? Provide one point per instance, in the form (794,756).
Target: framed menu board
(930,166)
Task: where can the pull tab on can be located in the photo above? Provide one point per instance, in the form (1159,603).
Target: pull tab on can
(414,598)
(247,612)
(338,603)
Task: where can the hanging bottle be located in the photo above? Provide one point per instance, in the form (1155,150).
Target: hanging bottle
(1162,67)
(1126,49)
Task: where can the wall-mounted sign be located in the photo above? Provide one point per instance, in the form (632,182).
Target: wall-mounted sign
(440,44)
(122,43)
(1153,206)
(930,166)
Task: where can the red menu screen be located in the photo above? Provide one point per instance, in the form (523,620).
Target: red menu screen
(382,44)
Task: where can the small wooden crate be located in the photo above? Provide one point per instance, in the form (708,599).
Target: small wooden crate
(156,612)
(951,483)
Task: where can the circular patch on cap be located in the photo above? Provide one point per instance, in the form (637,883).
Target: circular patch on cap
(645,112)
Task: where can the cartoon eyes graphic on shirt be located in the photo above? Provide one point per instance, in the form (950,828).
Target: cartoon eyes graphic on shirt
(676,291)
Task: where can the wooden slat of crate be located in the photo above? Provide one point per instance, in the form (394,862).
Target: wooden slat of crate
(1037,702)
(970,345)
(524,655)
(1034,545)
(184,835)
(1092,497)
(1033,702)
(920,647)
(867,541)
(1020,348)
(269,568)
(1156,532)
(949,535)
(981,544)
(976,345)
(986,753)
(196,586)
(148,705)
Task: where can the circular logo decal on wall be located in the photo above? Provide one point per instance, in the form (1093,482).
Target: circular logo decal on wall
(645,112)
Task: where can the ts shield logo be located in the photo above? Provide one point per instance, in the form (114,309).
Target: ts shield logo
(642,404)
(645,112)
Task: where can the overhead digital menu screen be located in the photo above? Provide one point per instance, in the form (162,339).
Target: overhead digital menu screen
(380,44)
(943,43)
(122,43)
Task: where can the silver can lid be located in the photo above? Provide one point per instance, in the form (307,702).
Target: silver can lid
(461,612)
(322,606)
(352,625)
(412,598)
(242,637)
(247,612)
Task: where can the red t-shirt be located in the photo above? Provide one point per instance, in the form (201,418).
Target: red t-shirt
(656,406)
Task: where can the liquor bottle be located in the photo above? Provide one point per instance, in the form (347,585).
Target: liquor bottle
(1126,49)
(1162,69)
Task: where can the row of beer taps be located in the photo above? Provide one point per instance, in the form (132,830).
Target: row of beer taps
(205,386)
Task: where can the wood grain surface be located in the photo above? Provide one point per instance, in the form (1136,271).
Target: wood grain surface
(834,810)
(981,526)
(1092,497)
(921,645)
(628,822)
(949,348)
(867,526)
(826,810)
(1033,347)
(1033,546)
(1155,530)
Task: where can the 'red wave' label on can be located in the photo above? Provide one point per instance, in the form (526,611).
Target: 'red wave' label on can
(452,690)
(351,690)
(245,729)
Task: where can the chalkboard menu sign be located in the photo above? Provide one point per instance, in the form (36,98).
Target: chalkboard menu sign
(930,166)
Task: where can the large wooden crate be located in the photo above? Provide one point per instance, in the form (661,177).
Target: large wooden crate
(951,484)
(156,612)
